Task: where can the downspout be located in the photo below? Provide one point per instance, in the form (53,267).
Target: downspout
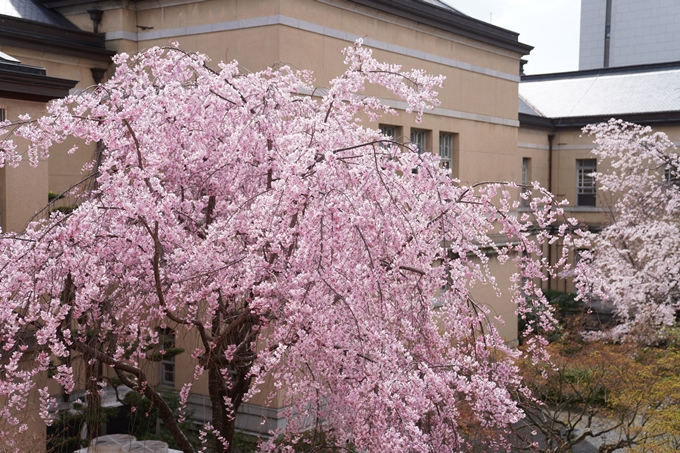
(607,33)
(96,18)
(551,137)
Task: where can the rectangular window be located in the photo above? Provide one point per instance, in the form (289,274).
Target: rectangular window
(389,131)
(3,114)
(167,339)
(526,179)
(671,175)
(393,132)
(449,152)
(585,182)
(419,138)
(445,149)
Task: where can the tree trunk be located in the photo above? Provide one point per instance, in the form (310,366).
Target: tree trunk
(94,401)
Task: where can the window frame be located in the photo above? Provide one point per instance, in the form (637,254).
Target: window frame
(389,130)
(526,180)
(167,341)
(668,177)
(446,161)
(414,138)
(586,186)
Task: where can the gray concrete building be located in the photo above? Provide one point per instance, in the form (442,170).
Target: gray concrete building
(628,32)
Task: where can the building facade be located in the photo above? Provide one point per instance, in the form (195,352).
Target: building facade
(628,32)
(43,56)
(554,107)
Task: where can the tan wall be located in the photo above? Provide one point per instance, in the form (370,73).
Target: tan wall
(499,306)
(57,65)
(533,144)
(312,36)
(23,190)
(33,440)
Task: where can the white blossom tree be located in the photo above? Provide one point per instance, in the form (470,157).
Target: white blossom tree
(637,256)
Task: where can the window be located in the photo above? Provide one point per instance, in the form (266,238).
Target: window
(167,341)
(448,152)
(389,131)
(582,255)
(393,132)
(3,114)
(585,182)
(526,179)
(419,138)
(445,149)
(671,175)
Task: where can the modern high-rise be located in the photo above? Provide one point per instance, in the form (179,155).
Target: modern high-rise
(628,32)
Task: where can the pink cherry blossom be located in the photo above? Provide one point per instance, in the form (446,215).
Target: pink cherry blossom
(297,243)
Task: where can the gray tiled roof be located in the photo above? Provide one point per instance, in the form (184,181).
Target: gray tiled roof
(527,109)
(32,10)
(608,94)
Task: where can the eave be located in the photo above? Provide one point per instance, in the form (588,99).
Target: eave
(48,38)
(443,19)
(28,83)
(577,122)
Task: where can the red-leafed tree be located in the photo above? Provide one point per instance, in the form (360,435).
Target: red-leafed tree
(296,243)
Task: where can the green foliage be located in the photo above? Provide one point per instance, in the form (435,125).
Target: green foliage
(631,389)
(245,443)
(64,209)
(144,422)
(315,441)
(564,303)
(64,436)
(566,308)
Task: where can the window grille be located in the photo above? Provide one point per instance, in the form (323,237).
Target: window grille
(419,138)
(389,131)
(167,340)
(585,182)
(445,149)
(526,177)
(671,176)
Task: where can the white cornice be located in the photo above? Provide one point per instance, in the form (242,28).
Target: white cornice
(456,114)
(532,146)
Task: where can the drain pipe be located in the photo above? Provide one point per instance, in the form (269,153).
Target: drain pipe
(96,18)
(551,137)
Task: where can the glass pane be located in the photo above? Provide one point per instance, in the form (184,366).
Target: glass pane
(418,139)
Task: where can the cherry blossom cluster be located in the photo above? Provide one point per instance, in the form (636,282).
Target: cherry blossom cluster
(296,244)
(637,256)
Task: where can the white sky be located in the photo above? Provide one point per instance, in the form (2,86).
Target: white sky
(551,26)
